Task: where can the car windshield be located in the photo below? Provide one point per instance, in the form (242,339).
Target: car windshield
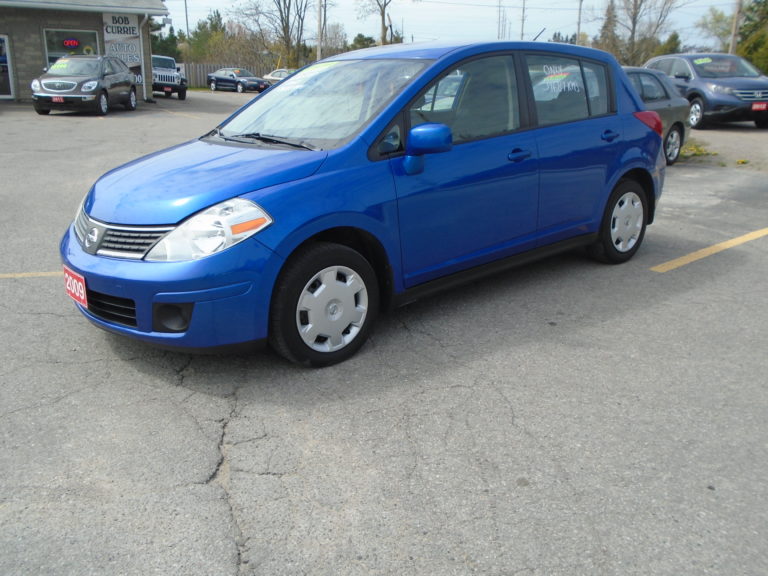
(326,104)
(160,62)
(74,67)
(724,67)
(243,73)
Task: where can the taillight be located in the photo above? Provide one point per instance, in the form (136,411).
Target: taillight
(652,120)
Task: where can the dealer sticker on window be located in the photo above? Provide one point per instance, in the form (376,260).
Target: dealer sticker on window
(74,284)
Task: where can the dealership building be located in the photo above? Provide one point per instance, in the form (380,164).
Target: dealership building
(34,33)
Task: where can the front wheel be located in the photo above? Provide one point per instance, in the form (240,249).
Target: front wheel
(182,94)
(623,225)
(761,123)
(672,145)
(102,104)
(240,88)
(696,113)
(212,86)
(324,305)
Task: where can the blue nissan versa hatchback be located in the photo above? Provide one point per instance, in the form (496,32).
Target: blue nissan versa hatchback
(362,182)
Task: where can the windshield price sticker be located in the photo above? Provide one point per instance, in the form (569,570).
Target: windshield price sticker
(74,284)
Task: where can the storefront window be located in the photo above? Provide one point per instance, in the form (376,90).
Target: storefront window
(60,43)
(6,90)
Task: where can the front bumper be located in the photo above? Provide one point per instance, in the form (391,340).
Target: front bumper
(219,301)
(732,109)
(64,102)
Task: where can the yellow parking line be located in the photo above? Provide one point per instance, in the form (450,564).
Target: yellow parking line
(30,274)
(709,251)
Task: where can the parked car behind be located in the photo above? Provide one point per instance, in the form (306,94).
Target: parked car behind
(345,190)
(720,87)
(238,79)
(278,75)
(91,83)
(660,95)
(167,77)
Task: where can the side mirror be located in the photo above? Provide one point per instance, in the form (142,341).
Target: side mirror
(430,138)
(685,77)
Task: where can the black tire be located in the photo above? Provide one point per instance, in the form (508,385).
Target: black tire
(761,123)
(182,94)
(240,88)
(102,104)
(324,305)
(42,111)
(623,226)
(696,114)
(131,103)
(673,143)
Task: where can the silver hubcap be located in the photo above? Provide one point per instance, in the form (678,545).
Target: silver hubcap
(695,114)
(627,222)
(332,309)
(673,145)
(103,104)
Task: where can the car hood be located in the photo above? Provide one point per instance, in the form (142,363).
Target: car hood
(740,83)
(170,185)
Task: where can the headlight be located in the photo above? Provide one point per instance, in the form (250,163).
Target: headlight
(211,231)
(90,86)
(35,85)
(718,89)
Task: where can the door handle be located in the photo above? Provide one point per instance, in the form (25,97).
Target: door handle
(609,135)
(518,155)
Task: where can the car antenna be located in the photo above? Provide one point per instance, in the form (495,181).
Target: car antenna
(539,34)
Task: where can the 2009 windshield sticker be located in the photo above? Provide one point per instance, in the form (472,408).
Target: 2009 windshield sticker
(700,61)
(59,65)
(558,80)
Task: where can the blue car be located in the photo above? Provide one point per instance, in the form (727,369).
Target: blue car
(359,184)
(720,87)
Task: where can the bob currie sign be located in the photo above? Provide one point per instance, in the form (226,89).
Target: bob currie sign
(122,40)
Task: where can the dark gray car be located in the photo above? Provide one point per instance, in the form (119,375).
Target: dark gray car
(660,95)
(90,83)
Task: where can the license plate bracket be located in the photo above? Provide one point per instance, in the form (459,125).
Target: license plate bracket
(759,106)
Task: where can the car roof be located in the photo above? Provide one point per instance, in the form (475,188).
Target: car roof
(439,50)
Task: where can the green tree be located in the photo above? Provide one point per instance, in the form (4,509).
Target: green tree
(609,39)
(557,37)
(362,41)
(716,24)
(166,45)
(672,45)
(754,34)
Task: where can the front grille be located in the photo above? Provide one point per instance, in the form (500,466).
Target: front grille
(132,242)
(166,78)
(751,95)
(59,86)
(112,309)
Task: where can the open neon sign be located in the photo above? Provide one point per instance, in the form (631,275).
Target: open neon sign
(71,43)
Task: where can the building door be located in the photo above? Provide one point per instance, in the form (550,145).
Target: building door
(6,80)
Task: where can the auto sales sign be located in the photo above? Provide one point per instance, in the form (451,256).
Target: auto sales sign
(122,39)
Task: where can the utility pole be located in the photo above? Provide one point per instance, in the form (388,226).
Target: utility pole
(735,28)
(578,24)
(320,29)
(522,23)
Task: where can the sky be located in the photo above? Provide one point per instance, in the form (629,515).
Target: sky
(463,20)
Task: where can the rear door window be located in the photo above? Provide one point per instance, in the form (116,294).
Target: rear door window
(567,89)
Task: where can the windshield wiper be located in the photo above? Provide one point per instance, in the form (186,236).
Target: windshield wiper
(268,139)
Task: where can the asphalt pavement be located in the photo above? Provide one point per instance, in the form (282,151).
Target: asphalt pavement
(565,418)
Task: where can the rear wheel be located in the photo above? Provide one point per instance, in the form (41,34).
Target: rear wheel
(761,122)
(672,145)
(324,305)
(131,103)
(623,225)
